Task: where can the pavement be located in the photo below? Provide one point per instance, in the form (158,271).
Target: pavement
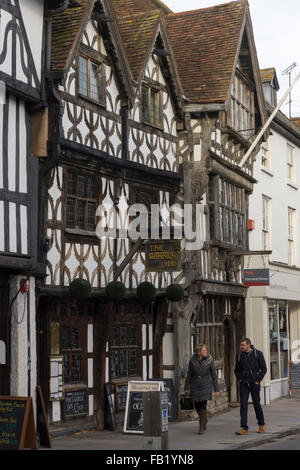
(282,418)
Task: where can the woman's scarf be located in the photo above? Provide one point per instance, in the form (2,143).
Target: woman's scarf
(201,362)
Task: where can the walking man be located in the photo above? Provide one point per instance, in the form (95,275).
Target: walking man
(250,370)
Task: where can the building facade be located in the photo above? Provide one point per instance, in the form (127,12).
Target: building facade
(272,312)
(21,43)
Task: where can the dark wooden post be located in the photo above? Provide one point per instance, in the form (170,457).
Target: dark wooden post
(102,322)
(159,331)
(155,420)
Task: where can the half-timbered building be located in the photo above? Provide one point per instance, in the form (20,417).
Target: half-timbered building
(224,108)
(21,41)
(115,101)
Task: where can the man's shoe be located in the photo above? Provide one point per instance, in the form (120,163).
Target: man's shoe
(262,429)
(241,432)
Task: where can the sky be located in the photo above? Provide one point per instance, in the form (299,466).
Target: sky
(277,37)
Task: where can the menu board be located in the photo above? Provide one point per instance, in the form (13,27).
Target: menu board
(17,429)
(121,396)
(76,402)
(133,422)
(56,383)
(294,376)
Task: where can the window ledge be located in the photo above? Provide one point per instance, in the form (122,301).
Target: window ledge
(292,184)
(84,233)
(268,171)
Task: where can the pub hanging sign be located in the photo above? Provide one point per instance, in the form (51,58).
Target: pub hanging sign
(256,277)
(163,255)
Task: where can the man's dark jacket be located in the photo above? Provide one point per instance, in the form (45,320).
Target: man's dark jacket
(250,367)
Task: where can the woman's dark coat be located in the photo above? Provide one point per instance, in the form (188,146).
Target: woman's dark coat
(201,378)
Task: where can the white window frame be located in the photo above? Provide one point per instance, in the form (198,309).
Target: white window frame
(266,223)
(291,236)
(291,163)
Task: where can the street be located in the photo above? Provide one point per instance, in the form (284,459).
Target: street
(286,443)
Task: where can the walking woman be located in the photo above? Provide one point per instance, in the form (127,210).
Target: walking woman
(201,379)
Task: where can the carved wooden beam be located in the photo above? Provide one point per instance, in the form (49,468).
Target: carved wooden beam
(127,259)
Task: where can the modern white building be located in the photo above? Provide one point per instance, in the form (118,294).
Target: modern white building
(273,311)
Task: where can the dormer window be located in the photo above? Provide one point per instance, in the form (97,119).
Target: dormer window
(242,107)
(88,79)
(150,105)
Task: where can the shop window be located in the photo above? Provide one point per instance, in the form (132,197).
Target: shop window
(81,201)
(279,341)
(208,327)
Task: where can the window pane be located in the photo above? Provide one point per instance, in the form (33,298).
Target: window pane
(67,368)
(75,338)
(76,378)
(91,223)
(91,188)
(70,212)
(71,183)
(66,338)
(123,336)
(81,186)
(154,106)
(80,214)
(132,336)
(82,76)
(123,363)
(94,82)
(274,353)
(132,362)
(114,364)
(145,105)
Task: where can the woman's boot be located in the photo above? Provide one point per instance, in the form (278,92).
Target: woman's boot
(203,421)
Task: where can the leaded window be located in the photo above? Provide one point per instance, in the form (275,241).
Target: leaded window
(81,202)
(124,351)
(150,105)
(242,107)
(208,327)
(88,79)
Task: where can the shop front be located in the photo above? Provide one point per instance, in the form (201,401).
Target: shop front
(272,323)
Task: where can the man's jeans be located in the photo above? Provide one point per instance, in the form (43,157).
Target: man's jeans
(245,390)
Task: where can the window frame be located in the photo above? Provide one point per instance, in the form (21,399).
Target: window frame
(100,78)
(86,200)
(150,87)
(266,223)
(219,206)
(240,107)
(291,236)
(291,173)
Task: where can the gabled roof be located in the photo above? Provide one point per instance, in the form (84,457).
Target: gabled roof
(67,28)
(133,7)
(269,76)
(138,33)
(205,44)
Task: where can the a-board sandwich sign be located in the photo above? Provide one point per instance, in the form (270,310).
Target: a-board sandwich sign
(17,428)
(133,422)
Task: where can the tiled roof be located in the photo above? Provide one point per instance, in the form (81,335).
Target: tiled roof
(138,34)
(205,43)
(133,7)
(66,28)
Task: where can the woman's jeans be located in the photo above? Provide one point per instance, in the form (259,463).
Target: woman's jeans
(245,390)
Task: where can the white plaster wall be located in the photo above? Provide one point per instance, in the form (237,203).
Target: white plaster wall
(32,13)
(274,184)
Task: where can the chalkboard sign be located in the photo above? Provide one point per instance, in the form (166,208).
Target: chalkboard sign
(41,419)
(172,404)
(17,429)
(76,403)
(133,422)
(294,376)
(110,417)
